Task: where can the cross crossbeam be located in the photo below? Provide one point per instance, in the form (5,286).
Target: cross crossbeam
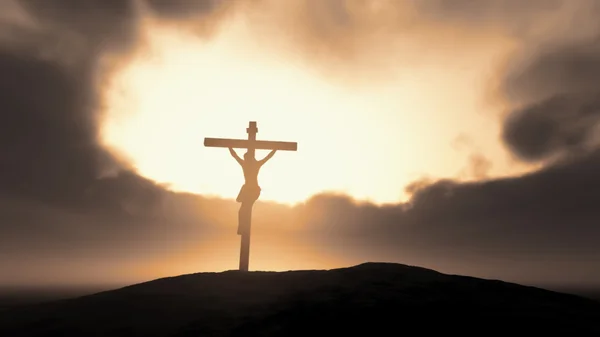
(245,215)
(249,144)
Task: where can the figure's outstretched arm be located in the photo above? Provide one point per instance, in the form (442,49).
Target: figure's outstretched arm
(269,156)
(235,156)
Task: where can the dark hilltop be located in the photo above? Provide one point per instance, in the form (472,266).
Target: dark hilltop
(373,299)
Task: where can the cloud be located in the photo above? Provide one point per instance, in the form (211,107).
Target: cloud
(531,221)
(49,129)
(557,96)
(478,166)
(64,196)
(50,91)
(62,192)
(180,8)
(550,80)
(561,125)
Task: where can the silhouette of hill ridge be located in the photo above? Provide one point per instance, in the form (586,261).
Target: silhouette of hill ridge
(371,298)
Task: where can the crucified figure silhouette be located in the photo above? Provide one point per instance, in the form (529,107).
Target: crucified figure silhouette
(250,191)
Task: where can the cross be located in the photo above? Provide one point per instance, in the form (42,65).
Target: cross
(251,144)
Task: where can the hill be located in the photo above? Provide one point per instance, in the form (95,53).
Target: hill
(375,299)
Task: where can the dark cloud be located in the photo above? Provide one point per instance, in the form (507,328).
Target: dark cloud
(61,192)
(48,134)
(544,71)
(51,107)
(101,22)
(556,92)
(560,125)
(49,141)
(512,223)
(551,79)
(182,8)
(504,12)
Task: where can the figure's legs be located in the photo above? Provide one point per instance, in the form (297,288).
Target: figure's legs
(244,215)
(247,197)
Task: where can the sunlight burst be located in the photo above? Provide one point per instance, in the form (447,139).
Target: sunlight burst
(162,105)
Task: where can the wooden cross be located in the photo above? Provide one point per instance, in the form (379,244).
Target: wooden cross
(251,144)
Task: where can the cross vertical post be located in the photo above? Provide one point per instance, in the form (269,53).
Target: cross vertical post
(245,214)
(252,130)
(246,218)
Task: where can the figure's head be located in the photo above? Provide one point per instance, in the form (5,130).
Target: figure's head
(248,156)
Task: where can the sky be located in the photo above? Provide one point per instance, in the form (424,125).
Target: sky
(452,135)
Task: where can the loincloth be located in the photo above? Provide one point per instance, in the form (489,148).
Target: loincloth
(248,193)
